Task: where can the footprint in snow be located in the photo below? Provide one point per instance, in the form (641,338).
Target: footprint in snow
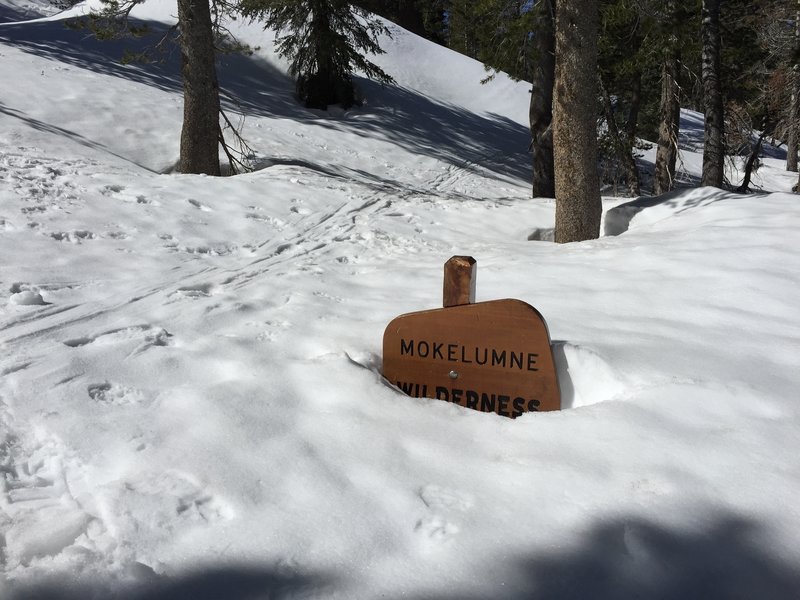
(198,290)
(175,501)
(73,237)
(217,250)
(198,205)
(435,529)
(39,516)
(146,335)
(109,336)
(112,189)
(114,394)
(170,242)
(36,208)
(444,509)
(440,498)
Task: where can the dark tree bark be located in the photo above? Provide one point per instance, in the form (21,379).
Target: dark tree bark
(669,111)
(201,131)
(713,151)
(632,123)
(752,161)
(794,123)
(631,130)
(794,114)
(541,109)
(791,140)
(578,205)
(794,111)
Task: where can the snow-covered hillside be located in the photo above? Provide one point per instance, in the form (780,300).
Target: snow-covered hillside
(191,403)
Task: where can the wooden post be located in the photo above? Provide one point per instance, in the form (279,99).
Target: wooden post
(460,273)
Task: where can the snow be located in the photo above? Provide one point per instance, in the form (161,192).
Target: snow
(191,402)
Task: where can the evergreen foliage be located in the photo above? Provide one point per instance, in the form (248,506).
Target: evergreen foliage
(499,33)
(423,17)
(325,41)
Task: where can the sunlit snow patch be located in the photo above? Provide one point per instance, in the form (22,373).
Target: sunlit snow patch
(584,376)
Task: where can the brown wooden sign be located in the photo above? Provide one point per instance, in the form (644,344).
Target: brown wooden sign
(490,356)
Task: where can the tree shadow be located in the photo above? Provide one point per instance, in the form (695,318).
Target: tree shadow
(9,14)
(62,131)
(618,219)
(490,144)
(13,14)
(691,132)
(232,583)
(637,558)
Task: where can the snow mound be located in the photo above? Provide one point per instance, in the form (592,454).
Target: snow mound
(585,377)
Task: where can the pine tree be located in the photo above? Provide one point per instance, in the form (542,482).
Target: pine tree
(516,37)
(200,134)
(578,206)
(779,37)
(622,61)
(423,17)
(667,151)
(541,107)
(713,151)
(759,76)
(325,41)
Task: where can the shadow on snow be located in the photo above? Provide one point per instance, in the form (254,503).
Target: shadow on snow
(618,219)
(230,583)
(491,144)
(728,558)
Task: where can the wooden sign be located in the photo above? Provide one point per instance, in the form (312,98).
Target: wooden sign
(491,356)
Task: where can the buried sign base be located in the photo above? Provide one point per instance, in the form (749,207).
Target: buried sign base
(489,356)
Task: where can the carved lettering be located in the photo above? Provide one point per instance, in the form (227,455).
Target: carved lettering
(490,357)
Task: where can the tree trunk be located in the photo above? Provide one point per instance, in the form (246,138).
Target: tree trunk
(794,111)
(713,151)
(669,112)
(631,129)
(791,140)
(201,131)
(668,129)
(541,109)
(794,122)
(578,205)
(751,163)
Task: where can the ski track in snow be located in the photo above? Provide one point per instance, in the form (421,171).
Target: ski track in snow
(41,519)
(49,511)
(44,521)
(190,367)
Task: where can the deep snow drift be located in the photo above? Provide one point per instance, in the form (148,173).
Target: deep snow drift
(190,394)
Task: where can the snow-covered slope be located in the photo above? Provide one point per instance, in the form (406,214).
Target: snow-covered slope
(190,394)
